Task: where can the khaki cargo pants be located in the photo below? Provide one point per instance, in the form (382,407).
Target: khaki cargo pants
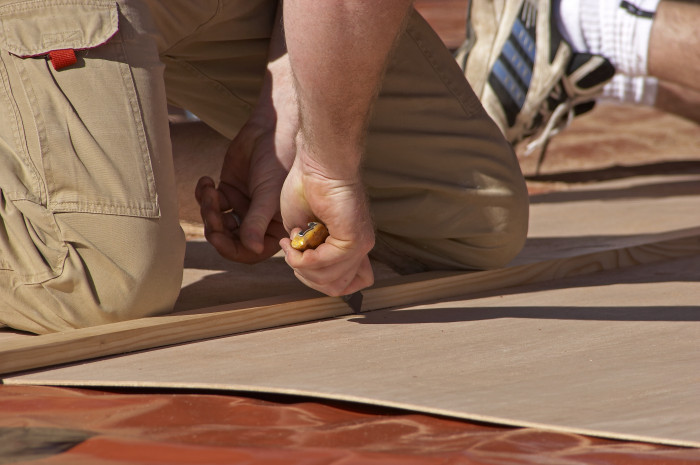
(89,232)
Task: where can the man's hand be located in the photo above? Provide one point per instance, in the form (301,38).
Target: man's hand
(251,181)
(338,50)
(254,170)
(339,266)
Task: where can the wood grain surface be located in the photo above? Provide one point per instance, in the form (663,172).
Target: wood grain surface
(146,333)
(610,353)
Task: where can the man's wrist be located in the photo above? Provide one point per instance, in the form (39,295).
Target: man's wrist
(335,158)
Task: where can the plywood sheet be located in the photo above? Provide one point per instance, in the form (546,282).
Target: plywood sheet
(598,216)
(615,354)
(8,334)
(580,238)
(224,320)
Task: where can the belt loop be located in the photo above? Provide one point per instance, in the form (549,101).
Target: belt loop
(62,58)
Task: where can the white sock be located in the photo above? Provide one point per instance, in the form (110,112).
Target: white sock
(618,30)
(639,90)
(569,23)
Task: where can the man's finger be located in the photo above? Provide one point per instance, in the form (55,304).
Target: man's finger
(203,183)
(231,248)
(263,207)
(350,282)
(341,269)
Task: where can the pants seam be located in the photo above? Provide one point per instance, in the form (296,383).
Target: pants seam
(57,266)
(146,156)
(40,129)
(470,110)
(19,141)
(221,88)
(219,7)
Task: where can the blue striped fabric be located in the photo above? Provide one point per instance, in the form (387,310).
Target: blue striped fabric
(507,80)
(521,66)
(511,74)
(524,39)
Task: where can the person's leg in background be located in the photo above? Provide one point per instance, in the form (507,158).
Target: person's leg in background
(90,233)
(674,57)
(654,46)
(614,50)
(674,47)
(679,100)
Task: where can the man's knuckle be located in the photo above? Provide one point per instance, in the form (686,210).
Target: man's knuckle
(335,291)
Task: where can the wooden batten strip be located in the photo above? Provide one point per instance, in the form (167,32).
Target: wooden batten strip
(147,333)
(461,284)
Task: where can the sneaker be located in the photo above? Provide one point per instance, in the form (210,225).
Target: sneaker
(525,73)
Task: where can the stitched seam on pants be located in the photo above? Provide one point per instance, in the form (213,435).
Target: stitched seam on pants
(38,120)
(84,204)
(219,7)
(58,264)
(23,279)
(19,140)
(142,210)
(34,278)
(34,5)
(221,88)
(470,110)
(130,89)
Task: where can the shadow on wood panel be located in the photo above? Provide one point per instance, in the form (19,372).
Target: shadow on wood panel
(620,172)
(645,191)
(584,313)
(685,270)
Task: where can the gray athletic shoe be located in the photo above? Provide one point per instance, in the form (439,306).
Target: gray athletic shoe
(523,71)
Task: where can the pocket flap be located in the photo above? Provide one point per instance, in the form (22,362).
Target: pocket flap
(36,27)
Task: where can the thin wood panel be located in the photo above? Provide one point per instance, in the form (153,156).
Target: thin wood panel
(548,270)
(117,338)
(614,354)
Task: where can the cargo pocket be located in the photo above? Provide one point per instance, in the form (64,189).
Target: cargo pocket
(85,110)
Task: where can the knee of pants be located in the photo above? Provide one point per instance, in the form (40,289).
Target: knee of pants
(501,245)
(88,222)
(480,231)
(114,269)
(504,237)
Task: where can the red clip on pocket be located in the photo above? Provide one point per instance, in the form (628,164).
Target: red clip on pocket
(62,58)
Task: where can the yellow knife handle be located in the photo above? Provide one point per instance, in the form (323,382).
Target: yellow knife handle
(310,238)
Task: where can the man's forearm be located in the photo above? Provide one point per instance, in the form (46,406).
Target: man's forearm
(338,51)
